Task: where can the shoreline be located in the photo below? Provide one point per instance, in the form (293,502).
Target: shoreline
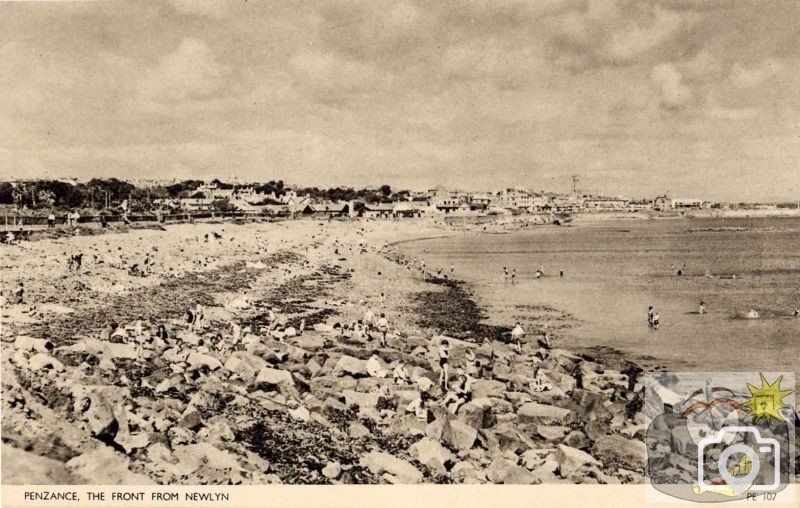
(313,271)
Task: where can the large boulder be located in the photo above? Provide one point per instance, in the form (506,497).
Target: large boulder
(488,388)
(44,361)
(590,406)
(27,343)
(275,377)
(505,471)
(533,412)
(350,366)
(467,473)
(26,468)
(571,460)
(621,451)
(104,466)
(459,435)
(245,365)
(199,360)
(360,399)
(431,453)
(400,470)
(478,416)
(553,433)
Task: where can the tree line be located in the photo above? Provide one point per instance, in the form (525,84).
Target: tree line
(110,193)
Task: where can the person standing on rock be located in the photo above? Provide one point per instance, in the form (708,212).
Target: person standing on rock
(383,328)
(369,318)
(516,336)
(444,357)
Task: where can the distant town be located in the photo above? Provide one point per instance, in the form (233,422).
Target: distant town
(274,198)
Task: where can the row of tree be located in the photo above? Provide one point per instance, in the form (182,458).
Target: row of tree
(111,193)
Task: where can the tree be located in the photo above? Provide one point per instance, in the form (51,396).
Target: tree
(385,190)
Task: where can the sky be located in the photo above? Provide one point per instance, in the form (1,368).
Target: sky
(700,98)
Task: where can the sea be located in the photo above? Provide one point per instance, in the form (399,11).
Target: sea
(614,269)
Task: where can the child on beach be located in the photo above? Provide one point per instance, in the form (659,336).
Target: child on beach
(702,309)
(656,320)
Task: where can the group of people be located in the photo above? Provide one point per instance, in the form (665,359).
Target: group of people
(653,318)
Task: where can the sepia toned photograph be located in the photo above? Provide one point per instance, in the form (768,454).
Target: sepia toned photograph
(544,243)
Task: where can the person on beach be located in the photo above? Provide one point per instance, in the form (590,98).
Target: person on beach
(702,309)
(752,314)
(517,333)
(561,274)
(656,320)
(460,394)
(452,269)
(650,316)
(797,312)
(513,276)
(369,318)
(190,319)
(444,357)
(162,333)
(471,365)
(19,294)
(400,374)
(545,340)
(115,333)
(51,220)
(383,328)
(419,407)
(505,274)
(198,316)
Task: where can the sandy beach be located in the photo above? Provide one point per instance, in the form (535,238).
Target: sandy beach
(269,387)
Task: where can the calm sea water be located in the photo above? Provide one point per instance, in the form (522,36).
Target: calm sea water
(613,270)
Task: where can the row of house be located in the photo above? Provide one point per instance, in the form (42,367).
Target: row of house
(436,201)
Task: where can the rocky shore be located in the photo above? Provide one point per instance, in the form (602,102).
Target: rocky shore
(270,386)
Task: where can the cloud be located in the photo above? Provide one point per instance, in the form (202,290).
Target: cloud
(200,8)
(190,72)
(749,77)
(334,75)
(635,39)
(673,93)
(732,113)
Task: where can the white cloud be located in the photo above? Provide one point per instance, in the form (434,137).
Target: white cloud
(673,93)
(202,8)
(733,113)
(335,73)
(634,39)
(190,72)
(749,77)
